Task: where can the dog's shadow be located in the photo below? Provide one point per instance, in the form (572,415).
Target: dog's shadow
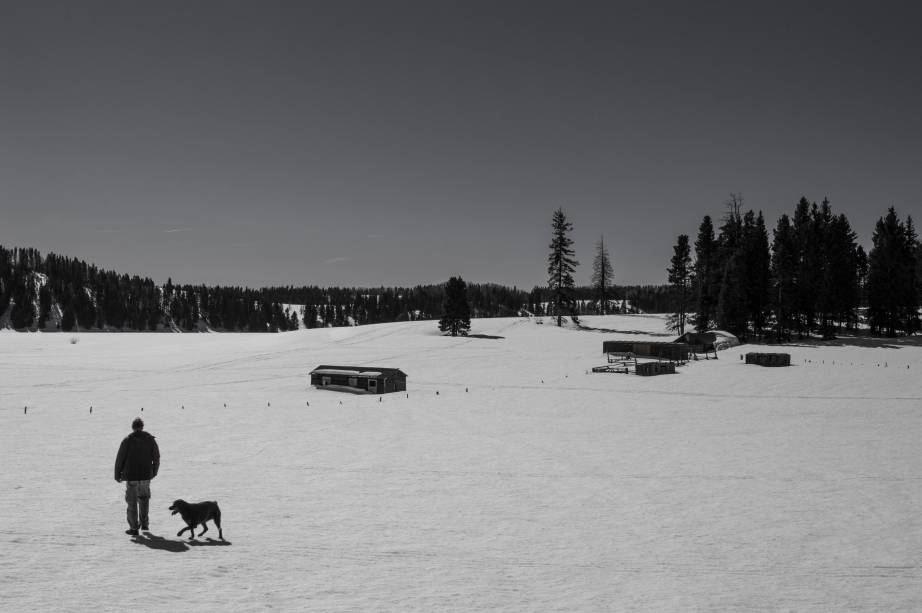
(208,542)
(163,544)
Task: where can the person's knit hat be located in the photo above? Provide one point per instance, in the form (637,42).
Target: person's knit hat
(137,424)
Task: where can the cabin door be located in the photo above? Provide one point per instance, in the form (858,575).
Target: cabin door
(373,385)
(324,381)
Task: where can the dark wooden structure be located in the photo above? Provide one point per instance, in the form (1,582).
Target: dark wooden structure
(644,358)
(769,359)
(674,352)
(360,379)
(649,369)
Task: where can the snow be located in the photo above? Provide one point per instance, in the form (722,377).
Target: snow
(351,373)
(509,477)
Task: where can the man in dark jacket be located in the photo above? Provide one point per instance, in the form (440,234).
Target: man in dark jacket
(137,462)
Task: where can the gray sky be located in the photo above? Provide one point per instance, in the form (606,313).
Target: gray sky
(394,143)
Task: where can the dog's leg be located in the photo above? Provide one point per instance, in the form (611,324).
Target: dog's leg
(183,530)
(204,529)
(217,522)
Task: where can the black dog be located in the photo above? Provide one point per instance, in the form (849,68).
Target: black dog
(195,513)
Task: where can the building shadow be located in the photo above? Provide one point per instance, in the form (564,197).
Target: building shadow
(844,339)
(585,328)
(160,543)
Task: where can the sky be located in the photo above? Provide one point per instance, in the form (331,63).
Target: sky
(401,143)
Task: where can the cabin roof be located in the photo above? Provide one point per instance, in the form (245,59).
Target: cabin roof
(357,371)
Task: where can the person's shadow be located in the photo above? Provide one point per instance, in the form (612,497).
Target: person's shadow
(163,544)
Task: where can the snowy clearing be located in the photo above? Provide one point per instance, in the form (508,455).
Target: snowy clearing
(509,478)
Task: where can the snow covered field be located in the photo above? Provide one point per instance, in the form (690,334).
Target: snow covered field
(509,479)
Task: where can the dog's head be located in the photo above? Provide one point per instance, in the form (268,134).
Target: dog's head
(178,506)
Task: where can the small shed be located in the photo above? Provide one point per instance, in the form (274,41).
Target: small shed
(360,379)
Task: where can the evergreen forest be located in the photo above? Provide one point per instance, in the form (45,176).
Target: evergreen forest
(55,292)
(811,278)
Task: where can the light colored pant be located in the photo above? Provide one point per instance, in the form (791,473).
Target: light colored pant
(137,495)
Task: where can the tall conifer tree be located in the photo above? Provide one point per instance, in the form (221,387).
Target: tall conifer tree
(707,279)
(783,268)
(758,270)
(680,278)
(456,312)
(560,268)
(731,299)
(602,276)
(892,303)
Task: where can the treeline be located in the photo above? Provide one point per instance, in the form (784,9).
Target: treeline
(811,278)
(358,306)
(55,292)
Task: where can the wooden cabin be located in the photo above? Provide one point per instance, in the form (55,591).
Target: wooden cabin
(360,379)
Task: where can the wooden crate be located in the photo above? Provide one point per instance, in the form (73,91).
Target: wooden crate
(768,359)
(650,369)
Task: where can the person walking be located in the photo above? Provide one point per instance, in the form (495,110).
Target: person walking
(137,462)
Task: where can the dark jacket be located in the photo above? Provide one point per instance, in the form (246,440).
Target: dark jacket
(138,457)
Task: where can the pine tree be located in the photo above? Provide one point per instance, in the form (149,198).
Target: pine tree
(84,309)
(731,305)
(456,312)
(561,265)
(731,300)
(892,301)
(840,286)
(310,316)
(809,266)
(758,270)
(707,280)
(44,306)
(602,277)
(680,278)
(68,318)
(861,266)
(783,268)
(913,277)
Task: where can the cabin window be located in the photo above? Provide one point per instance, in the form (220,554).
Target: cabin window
(353,382)
(372,385)
(325,381)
